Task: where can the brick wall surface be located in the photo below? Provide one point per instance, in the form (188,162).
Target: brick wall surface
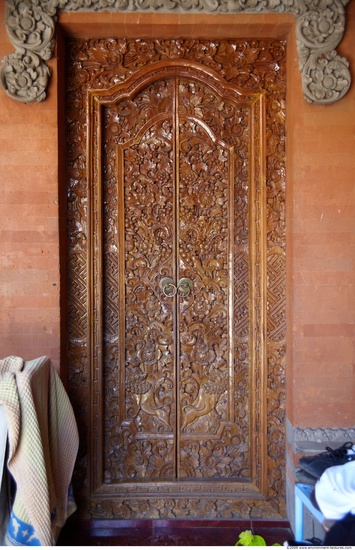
(321,254)
(320,239)
(29,251)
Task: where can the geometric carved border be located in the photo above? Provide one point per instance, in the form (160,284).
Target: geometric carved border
(319,29)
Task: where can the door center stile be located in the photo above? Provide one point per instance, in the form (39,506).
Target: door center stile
(176,273)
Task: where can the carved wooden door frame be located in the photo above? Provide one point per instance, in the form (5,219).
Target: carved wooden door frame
(263,495)
(97,99)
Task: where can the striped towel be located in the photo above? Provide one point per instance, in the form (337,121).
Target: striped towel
(43,445)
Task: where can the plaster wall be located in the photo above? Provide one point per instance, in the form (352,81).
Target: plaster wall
(320,214)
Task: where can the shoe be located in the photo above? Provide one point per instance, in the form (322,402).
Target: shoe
(304,477)
(308,542)
(317,464)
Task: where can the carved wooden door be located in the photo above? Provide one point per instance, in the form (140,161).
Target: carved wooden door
(177,297)
(176,416)
(168,161)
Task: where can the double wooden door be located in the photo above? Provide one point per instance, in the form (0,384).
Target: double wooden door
(177,416)
(177,297)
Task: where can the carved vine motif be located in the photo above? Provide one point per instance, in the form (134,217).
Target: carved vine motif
(146,241)
(132,213)
(188,507)
(319,29)
(203,248)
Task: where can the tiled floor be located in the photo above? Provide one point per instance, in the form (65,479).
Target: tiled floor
(170,532)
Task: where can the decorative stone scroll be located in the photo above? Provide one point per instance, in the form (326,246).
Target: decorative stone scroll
(319,29)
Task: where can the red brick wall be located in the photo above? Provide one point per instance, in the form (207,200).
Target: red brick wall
(321,254)
(29,251)
(320,239)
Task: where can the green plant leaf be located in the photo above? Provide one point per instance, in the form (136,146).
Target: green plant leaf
(258,541)
(246,538)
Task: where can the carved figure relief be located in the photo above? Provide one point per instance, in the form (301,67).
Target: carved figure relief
(179,396)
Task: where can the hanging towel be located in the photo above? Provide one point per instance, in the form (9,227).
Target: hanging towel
(43,444)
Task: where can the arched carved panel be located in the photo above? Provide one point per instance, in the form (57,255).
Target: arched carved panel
(183,395)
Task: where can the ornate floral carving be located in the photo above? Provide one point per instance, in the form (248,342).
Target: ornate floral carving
(326,75)
(185,507)
(30,25)
(132,400)
(320,27)
(24,77)
(322,435)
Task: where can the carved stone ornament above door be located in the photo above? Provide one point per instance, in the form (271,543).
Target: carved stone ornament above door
(319,29)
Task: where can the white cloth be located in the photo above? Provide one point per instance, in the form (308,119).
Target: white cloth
(3,440)
(4,501)
(335,491)
(42,447)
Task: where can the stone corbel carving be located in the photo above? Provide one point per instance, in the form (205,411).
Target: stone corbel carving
(319,29)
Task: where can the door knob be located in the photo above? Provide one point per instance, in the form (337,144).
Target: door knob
(167,286)
(184,287)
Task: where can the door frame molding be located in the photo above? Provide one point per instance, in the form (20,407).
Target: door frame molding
(263,495)
(257,488)
(320,26)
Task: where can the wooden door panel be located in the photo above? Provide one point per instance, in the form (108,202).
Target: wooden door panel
(144,436)
(182,412)
(206,404)
(212,443)
(148,255)
(176,217)
(177,186)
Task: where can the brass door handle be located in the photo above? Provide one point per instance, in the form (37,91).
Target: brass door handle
(184,287)
(167,287)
